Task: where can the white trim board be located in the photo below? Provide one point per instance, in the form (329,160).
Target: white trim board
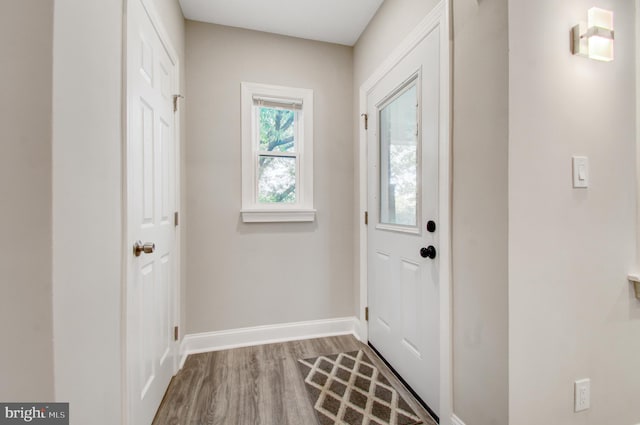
(456,420)
(268,334)
(637,51)
(436,20)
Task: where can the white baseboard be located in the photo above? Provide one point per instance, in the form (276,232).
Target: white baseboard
(269,334)
(456,420)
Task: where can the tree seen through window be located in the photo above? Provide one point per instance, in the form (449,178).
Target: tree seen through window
(277,162)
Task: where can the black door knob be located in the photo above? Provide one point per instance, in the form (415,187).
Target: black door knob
(428,252)
(431,226)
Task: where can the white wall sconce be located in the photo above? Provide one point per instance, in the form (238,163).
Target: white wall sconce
(594,39)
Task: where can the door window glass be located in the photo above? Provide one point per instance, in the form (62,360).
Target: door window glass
(399,157)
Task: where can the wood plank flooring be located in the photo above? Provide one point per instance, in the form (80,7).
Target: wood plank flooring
(258,385)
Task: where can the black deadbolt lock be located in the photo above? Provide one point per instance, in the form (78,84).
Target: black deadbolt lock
(431,226)
(428,252)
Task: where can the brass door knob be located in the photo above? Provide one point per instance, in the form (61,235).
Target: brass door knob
(147,248)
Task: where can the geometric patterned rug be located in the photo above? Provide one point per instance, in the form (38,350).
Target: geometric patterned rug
(347,389)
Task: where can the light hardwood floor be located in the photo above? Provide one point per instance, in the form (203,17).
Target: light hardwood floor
(258,385)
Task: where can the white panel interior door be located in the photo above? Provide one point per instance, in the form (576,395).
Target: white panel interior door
(402,198)
(151,203)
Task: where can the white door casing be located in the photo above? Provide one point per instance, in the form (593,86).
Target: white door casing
(151,175)
(436,22)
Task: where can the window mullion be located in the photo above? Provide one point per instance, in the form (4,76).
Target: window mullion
(278,154)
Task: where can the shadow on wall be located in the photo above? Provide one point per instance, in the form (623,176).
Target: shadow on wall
(634,304)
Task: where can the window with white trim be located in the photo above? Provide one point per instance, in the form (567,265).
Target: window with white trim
(277,153)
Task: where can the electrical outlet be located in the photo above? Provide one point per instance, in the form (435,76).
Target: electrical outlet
(582,395)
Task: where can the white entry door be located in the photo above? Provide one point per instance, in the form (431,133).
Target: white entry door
(403,262)
(151,205)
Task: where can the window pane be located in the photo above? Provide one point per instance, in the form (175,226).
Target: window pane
(277,129)
(399,160)
(277,180)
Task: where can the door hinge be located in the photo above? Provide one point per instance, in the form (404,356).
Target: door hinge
(176,333)
(175,101)
(366,121)
(366,218)
(366,314)
(176,218)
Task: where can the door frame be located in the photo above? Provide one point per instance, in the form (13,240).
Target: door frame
(437,20)
(165,39)
(637,79)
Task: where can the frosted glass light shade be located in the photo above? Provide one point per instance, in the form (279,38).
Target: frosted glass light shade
(594,39)
(600,23)
(597,17)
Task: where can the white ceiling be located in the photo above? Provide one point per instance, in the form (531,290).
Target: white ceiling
(334,21)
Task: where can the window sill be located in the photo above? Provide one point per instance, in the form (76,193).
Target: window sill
(278,216)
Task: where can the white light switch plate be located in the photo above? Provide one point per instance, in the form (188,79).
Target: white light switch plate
(580,172)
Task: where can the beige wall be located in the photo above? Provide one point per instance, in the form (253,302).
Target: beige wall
(391,24)
(480,146)
(87,241)
(255,274)
(572,313)
(479,224)
(26,361)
